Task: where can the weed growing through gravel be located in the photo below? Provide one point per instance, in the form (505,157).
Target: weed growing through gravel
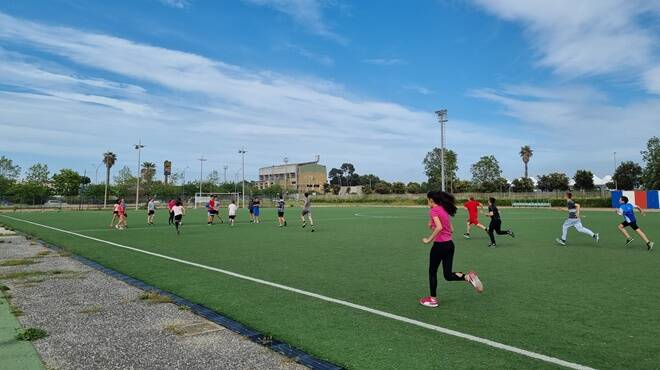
(173,329)
(31,274)
(91,310)
(31,334)
(155,298)
(18,262)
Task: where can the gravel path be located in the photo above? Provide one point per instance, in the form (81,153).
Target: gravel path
(97,322)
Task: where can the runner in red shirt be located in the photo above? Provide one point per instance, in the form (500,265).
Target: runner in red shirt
(171,205)
(473,207)
(212,210)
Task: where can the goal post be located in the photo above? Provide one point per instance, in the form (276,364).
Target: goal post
(201,199)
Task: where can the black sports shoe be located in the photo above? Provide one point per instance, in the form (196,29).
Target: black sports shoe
(466,235)
(284,223)
(304,224)
(312,229)
(511,233)
(492,245)
(628,241)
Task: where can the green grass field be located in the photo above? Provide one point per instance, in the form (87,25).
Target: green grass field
(594,305)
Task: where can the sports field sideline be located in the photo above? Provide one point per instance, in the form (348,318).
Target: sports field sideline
(587,304)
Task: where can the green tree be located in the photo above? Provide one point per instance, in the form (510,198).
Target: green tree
(413,188)
(487,175)
(628,175)
(273,191)
(553,181)
(67,182)
(523,185)
(109,160)
(35,188)
(433,166)
(526,154)
(398,188)
(148,171)
(651,156)
(213,178)
(584,180)
(369,180)
(9,173)
(462,186)
(335,176)
(348,169)
(383,188)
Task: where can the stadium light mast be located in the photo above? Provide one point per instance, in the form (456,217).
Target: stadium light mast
(286,175)
(201,168)
(242,153)
(442,118)
(616,186)
(138,147)
(225,167)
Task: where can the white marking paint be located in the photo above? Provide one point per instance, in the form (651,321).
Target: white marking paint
(473,338)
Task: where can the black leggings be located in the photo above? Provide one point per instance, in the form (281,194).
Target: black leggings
(495,226)
(441,252)
(171,220)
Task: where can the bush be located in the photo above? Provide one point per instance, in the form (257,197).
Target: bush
(31,334)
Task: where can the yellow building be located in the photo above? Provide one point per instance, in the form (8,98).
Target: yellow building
(294,177)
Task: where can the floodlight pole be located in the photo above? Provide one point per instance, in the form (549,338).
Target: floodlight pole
(442,118)
(286,175)
(225,168)
(201,167)
(138,147)
(616,186)
(242,153)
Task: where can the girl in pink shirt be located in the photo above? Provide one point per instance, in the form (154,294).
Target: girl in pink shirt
(442,206)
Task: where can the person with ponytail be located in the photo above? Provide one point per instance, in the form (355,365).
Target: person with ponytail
(442,206)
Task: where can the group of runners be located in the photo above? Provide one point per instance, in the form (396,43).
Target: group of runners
(442,208)
(177,211)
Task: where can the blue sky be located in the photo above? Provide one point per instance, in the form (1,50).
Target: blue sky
(350,81)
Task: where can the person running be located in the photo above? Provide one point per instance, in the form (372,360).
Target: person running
(307,211)
(122,215)
(151,211)
(627,210)
(212,210)
(251,209)
(574,220)
(495,225)
(232,212)
(473,206)
(179,211)
(256,209)
(115,213)
(171,203)
(442,206)
(280,211)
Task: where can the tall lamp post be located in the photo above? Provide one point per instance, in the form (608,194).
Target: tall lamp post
(442,118)
(242,153)
(138,147)
(201,167)
(225,167)
(616,186)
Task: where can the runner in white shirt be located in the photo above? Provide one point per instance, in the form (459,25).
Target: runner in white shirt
(179,211)
(232,212)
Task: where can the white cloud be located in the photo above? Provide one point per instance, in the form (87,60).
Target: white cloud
(308,54)
(572,127)
(588,37)
(384,61)
(308,13)
(176,3)
(419,89)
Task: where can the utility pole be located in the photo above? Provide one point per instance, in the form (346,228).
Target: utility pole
(286,175)
(242,153)
(201,168)
(138,147)
(442,118)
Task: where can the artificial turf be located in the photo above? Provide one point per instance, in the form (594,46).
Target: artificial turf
(592,304)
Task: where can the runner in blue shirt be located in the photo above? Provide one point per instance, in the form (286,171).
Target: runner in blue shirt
(627,210)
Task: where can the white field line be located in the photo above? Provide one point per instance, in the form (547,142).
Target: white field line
(487,342)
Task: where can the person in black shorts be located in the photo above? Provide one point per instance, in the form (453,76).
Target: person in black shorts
(495,225)
(280,211)
(251,209)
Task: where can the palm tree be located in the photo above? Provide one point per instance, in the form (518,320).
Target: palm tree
(148,171)
(109,159)
(526,153)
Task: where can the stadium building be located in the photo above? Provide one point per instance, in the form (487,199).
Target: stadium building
(295,177)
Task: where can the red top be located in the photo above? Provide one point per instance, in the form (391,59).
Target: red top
(211,204)
(472,207)
(171,204)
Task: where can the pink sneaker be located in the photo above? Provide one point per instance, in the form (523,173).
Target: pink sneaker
(473,279)
(429,301)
